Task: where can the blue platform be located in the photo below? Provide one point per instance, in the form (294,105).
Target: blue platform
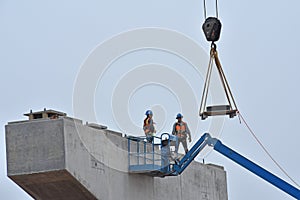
(149,158)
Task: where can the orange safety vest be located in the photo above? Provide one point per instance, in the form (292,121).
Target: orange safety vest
(180,130)
(148,126)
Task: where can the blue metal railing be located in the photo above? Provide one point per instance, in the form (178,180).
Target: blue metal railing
(142,155)
(145,157)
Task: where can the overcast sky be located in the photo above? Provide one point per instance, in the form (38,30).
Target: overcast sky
(44,44)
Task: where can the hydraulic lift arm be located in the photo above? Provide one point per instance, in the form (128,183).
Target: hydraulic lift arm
(206,139)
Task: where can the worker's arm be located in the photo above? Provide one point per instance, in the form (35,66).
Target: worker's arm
(153,127)
(174,129)
(188,132)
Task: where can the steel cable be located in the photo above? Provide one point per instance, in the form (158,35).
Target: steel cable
(265,150)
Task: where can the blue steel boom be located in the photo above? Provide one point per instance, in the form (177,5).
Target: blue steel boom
(217,145)
(155,164)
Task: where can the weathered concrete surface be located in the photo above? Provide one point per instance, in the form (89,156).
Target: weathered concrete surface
(199,181)
(35,146)
(58,185)
(94,163)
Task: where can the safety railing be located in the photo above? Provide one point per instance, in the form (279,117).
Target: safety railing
(149,157)
(143,156)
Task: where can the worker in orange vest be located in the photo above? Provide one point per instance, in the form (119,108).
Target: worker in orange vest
(148,127)
(181,130)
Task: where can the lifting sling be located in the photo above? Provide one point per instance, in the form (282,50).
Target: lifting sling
(212,29)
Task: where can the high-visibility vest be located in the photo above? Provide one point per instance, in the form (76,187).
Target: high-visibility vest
(148,126)
(180,129)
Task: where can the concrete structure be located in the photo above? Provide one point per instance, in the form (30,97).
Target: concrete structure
(64,159)
(52,114)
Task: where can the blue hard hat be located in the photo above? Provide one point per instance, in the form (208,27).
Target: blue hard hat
(179,115)
(149,112)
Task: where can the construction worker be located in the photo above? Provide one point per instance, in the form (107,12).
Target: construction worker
(148,127)
(165,154)
(181,130)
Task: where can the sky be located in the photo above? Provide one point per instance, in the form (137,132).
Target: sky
(45,44)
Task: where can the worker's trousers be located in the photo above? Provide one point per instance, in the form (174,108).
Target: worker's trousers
(184,144)
(150,137)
